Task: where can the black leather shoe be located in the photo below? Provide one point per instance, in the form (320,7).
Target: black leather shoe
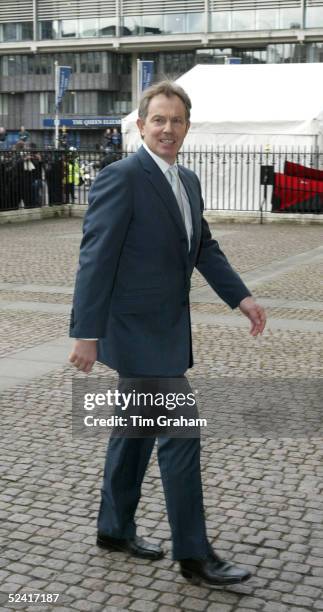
(138,547)
(213,570)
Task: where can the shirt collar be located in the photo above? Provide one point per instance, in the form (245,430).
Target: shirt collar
(161,163)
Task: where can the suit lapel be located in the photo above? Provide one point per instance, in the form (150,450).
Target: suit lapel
(162,188)
(194,201)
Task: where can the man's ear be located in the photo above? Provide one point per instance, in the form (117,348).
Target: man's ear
(187,127)
(140,125)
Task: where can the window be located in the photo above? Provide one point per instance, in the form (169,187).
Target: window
(267,19)
(43,64)
(68,28)
(88,28)
(111,102)
(131,26)
(195,22)
(90,62)
(243,20)
(152,24)
(48,30)
(26,31)
(290,18)
(314,17)
(175,24)
(221,21)
(314,52)
(9,32)
(47,103)
(107,27)
(4,104)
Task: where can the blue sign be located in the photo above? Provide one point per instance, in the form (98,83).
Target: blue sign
(146,74)
(84,122)
(64,73)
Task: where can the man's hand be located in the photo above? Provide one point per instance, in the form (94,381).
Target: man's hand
(255,313)
(83,355)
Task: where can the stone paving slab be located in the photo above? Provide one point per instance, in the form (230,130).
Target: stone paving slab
(25,329)
(263,494)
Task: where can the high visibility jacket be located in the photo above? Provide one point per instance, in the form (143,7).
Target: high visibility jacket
(72,172)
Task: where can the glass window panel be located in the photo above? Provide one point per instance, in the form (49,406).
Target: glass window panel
(314,17)
(290,18)
(5,66)
(43,102)
(45,64)
(131,26)
(88,28)
(175,64)
(152,24)
(175,24)
(195,22)
(47,30)
(123,63)
(12,65)
(274,54)
(9,32)
(37,67)
(4,104)
(243,20)
(314,52)
(97,62)
(18,65)
(30,64)
(220,21)
(27,30)
(50,102)
(267,19)
(90,62)
(107,26)
(68,28)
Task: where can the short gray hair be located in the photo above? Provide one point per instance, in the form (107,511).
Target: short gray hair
(168,89)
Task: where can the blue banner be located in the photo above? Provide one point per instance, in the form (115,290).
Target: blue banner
(84,122)
(146,74)
(64,73)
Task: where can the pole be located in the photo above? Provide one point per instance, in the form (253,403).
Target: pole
(56,121)
(139,69)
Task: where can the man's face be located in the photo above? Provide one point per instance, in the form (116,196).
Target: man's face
(165,126)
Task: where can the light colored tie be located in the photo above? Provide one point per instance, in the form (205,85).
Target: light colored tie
(173,178)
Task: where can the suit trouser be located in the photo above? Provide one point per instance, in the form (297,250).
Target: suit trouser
(179,463)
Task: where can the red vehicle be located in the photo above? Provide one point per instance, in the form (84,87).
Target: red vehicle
(299,189)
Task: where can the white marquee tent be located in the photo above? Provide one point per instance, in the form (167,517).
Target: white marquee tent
(270,106)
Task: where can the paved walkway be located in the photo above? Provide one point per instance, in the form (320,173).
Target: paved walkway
(262,459)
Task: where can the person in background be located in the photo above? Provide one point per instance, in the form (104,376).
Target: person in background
(72,175)
(116,139)
(23,135)
(107,139)
(3,137)
(109,158)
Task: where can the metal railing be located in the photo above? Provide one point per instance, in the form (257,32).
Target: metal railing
(230,178)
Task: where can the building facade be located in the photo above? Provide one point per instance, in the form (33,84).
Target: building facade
(103,39)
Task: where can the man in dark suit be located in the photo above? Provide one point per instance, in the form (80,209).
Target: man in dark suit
(143,235)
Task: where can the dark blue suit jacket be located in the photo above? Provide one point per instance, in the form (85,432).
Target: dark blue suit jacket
(133,281)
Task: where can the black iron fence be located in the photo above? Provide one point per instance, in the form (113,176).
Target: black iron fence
(232,179)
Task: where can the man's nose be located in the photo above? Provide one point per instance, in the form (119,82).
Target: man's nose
(168,126)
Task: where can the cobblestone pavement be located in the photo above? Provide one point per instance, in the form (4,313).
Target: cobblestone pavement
(263,488)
